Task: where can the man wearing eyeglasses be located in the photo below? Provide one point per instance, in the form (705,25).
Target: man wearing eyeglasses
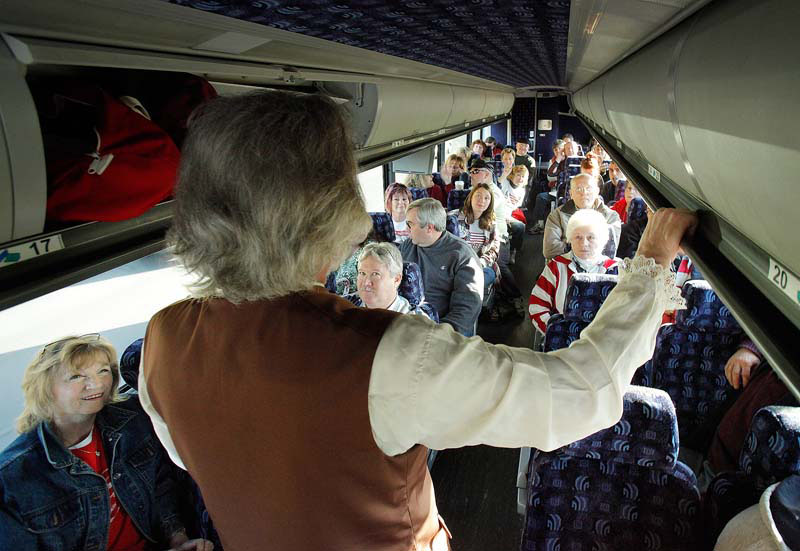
(585,193)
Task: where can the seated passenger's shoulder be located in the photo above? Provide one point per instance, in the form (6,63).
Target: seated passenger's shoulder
(20,447)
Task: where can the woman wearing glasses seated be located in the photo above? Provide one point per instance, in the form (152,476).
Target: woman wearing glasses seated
(587,233)
(87,471)
(585,194)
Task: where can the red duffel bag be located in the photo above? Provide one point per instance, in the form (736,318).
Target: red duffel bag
(129,167)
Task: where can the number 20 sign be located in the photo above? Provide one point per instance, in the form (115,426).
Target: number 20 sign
(784,280)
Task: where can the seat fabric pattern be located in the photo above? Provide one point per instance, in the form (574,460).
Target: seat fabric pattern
(770,454)
(456,198)
(330,282)
(561,332)
(452,224)
(586,294)
(383,226)
(647,434)
(620,488)
(417,193)
(705,311)
(411,284)
(772,447)
(637,210)
(412,289)
(690,355)
(129,364)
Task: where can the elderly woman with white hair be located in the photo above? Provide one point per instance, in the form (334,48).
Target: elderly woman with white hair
(380,271)
(86,471)
(587,233)
(306,420)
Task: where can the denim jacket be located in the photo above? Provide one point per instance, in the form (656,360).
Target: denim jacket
(51,500)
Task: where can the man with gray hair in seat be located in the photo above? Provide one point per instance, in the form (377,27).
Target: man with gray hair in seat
(451,272)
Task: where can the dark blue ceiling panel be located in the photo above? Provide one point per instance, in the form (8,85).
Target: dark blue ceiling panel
(512,42)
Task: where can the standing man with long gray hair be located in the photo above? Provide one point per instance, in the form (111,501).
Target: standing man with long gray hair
(305,420)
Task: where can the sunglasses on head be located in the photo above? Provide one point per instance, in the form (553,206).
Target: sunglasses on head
(88,336)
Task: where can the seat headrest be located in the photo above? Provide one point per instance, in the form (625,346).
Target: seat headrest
(647,434)
(418,193)
(637,209)
(704,310)
(411,287)
(456,198)
(560,332)
(771,450)
(382,226)
(585,294)
(129,363)
(452,224)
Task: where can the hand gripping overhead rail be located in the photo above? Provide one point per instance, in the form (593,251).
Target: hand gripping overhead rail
(706,117)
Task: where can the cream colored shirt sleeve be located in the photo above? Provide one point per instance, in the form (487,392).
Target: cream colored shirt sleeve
(432,386)
(159,425)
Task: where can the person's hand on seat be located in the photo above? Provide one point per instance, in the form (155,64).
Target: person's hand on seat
(740,366)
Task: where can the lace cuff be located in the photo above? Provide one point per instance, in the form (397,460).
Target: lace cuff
(666,290)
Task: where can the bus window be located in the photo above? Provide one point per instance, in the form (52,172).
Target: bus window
(451,146)
(371,182)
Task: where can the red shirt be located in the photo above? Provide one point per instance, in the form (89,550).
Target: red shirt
(621,208)
(122,533)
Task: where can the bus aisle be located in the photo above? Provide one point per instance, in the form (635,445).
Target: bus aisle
(476,486)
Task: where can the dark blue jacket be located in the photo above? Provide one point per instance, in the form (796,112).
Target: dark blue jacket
(51,500)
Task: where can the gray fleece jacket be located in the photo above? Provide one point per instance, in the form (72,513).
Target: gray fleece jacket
(453,279)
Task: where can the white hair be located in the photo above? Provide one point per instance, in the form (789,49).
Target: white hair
(587,217)
(387,254)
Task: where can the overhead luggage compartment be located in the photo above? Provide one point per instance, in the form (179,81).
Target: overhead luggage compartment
(707,115)
(392,115)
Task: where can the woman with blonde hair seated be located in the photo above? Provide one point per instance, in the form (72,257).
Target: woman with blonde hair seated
(454,169)
(425,181)
(87,470)
(587,234)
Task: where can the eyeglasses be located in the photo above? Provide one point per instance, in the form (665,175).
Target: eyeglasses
(88,336)
(478,170)
(582,189)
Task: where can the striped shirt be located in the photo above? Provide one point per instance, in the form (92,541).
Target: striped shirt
(550,291)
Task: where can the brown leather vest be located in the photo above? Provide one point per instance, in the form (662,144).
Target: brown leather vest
(266,403)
